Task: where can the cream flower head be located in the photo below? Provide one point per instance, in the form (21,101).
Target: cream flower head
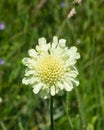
(51,67)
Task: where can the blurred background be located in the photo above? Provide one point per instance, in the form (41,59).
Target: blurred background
(22,22)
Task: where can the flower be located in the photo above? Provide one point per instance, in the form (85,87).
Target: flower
(62,4)
(2,62)
(2,26)
(51,67)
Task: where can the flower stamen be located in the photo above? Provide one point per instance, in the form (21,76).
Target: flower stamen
(50,69)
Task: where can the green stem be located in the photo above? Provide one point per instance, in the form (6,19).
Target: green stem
(51,113)
(61,27)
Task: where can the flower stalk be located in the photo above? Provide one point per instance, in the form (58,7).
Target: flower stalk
(51,113)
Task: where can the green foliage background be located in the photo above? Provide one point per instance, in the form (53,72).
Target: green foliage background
(25,22)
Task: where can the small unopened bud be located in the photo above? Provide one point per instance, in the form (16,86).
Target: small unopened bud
(1,100)
(71,13)
(77,1)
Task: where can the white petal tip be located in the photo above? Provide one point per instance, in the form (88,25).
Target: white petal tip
(42,41)
(32,53)
(37,88)
(55,39)
(52,90)
(24,81)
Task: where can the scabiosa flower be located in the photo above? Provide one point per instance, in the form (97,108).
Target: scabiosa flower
(51,67)
(2,26)
(2,62)
(62,4)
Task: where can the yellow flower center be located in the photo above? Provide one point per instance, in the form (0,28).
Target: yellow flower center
(50,69)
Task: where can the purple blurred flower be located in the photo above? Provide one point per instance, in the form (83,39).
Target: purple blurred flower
(62,4)
(2,26)
(1,62)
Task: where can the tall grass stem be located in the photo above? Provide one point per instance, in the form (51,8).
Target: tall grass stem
(81,112)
